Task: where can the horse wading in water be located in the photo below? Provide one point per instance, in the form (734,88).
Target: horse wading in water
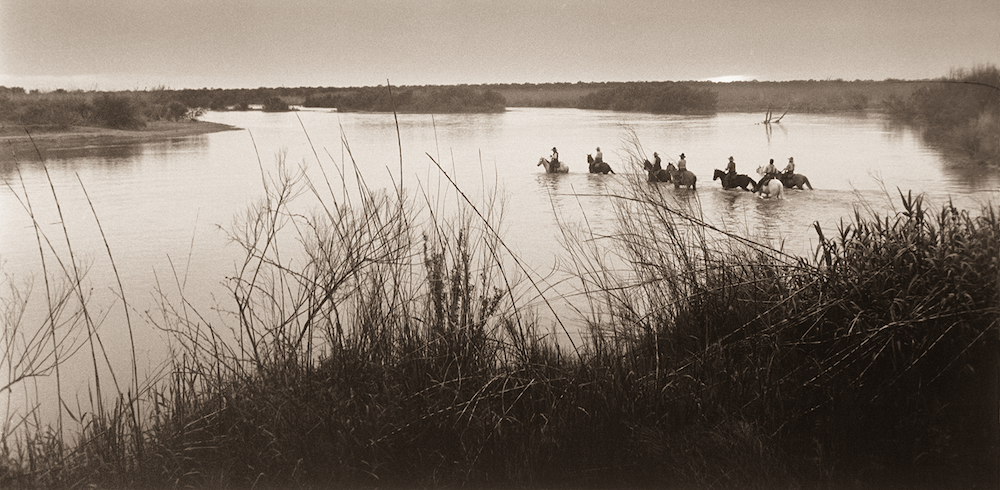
(598,167)
(686,178)
(772,189)
(768,187)
(795,180)
(558,168)
(655,174)
(738,180)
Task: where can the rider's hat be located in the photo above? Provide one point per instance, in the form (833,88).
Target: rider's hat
(790,159)
(553,148)
(682,155)
(730,158)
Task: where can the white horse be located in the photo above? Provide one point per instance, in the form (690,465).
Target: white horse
(773,188)
(559,168)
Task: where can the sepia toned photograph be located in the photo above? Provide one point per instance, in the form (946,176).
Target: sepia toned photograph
(548,244)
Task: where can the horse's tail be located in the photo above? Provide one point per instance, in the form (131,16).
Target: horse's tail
(810,186)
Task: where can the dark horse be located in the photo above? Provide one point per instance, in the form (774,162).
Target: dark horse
(655,172)
(598,167)
(795,180)
(738,180)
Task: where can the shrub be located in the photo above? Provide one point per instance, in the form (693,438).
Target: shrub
(275,104)
(117,111)
(176,110)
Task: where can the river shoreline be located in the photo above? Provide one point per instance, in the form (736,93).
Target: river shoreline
(17,138)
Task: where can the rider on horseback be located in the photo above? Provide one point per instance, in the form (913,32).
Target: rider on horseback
(789,169)
(730,169)
(554,160)
(770,172)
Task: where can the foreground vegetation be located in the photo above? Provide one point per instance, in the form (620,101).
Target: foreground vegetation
(381,345)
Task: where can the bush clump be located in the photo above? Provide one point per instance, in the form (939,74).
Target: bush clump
(117,111)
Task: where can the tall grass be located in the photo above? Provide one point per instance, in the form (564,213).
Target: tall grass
(376,339)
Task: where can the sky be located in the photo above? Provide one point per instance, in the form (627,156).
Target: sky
(177,44)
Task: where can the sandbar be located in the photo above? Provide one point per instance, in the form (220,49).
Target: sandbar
(16,138)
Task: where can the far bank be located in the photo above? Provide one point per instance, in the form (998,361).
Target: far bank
(26,141)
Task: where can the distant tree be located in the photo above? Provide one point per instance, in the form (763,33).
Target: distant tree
(176,110)
(275,104)
(117,111)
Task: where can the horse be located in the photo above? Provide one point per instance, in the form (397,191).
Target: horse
(598,167)
(768,187)
(772,189)
(682,177)
(655,174)
(738,180)
(559,168)
(795,180)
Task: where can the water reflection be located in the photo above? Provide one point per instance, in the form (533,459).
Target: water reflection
(97,153)
(578,196)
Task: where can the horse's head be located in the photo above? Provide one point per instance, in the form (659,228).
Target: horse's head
(590,159)
(671,168)
(760,170)
(647,166)
(718,174)
(542,161)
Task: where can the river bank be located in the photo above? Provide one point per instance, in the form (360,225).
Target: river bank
(24,140)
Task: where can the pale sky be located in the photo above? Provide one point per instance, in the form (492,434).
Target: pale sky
(140,44)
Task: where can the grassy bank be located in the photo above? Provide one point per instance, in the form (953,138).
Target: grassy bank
(399,349)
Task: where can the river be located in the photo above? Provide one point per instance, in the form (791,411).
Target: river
(162,208)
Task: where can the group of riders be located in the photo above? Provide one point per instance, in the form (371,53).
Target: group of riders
(598,156)
(596,162)
(769,171)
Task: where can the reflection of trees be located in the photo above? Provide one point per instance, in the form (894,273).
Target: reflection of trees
(115,154)
(97,152)
(955,166)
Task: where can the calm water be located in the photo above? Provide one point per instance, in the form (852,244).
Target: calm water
(162,206)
